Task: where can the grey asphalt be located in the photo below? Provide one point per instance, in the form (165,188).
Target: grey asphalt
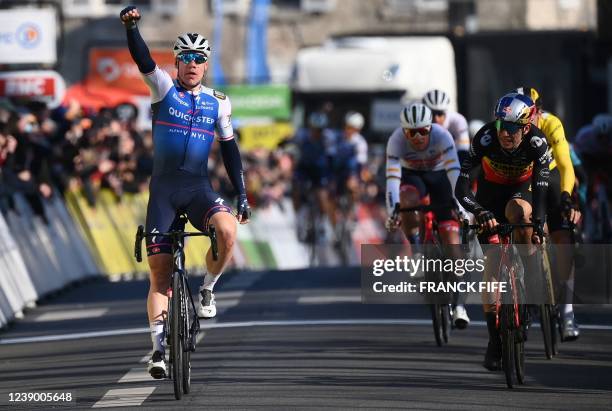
(291,340)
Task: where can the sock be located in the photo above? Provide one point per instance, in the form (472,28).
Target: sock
(209,281)
(415,242)
(569,292)
(157,336)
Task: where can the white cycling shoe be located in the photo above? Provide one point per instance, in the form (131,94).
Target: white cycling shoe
(460,317)
(157,365)
(208,308)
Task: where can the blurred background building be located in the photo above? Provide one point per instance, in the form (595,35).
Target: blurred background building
(75,113)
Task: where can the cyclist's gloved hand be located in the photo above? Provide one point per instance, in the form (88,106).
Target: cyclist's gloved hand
(568,208)
(538,232)
(486,219)
(244,210)
(129,16)
(392,223)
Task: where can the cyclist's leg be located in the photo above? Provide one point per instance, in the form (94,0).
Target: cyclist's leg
(563,268)
(161,217)
(413,193)
(207,208)
(518,210)
(493,197)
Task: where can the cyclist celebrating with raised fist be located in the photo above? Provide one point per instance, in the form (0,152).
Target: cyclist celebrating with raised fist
(186,115)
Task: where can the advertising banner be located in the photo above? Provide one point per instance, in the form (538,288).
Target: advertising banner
(42,85)
(264,136)
(28,36)
(257,101)
(111,67)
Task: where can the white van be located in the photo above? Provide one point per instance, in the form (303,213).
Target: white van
(374,75)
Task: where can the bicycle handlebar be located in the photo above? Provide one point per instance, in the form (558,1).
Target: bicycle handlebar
(423,208)
(175,235)
(502,229)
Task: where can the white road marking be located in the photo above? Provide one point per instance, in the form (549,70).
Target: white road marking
(212,324)
(329,299)
(136,375)
(124,397)
(71,314)
(75,336)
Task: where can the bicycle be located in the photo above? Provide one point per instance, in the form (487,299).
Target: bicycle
(441,313)
(344,228)
(181,324)
(510,312)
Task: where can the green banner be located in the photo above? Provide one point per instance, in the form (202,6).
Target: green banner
(260,101)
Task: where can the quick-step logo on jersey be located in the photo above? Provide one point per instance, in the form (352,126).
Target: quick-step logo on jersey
(184,131)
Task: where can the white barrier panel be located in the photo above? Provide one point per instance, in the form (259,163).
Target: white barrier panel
(37,258)
(59,246)
(276,227)
(46,275)
(16,286)
(75,241)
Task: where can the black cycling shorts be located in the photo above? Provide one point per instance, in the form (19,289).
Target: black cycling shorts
(432,183)
(494,197)
(173,195)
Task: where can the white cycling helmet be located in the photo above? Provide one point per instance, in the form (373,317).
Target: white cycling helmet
(354,119)
(416,115)
(602,123)
(436,100)
(191,42)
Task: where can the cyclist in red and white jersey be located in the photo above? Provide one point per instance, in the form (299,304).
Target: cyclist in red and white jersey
(422,168)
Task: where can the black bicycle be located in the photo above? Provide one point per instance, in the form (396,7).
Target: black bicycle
(440,306)
(510,309)
(181,323)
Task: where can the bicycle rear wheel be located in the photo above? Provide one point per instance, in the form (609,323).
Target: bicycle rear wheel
(176,342)
(446,321)
(545,324)
(436,317)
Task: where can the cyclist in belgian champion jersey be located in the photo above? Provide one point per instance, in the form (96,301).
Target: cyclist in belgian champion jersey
(560,206)
(511,188)
(186,115)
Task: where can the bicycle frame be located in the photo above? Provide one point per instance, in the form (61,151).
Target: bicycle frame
(176,322)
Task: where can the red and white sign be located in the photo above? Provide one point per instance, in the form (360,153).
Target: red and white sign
(43,85)
(114,67)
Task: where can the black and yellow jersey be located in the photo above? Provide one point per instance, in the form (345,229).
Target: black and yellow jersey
(557,145)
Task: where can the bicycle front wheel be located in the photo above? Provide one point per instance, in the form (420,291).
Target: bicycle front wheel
(507,337)
(446,321)
(176,342)
(545,324)
(186,321)
(436,317)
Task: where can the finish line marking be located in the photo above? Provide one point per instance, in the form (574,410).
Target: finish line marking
(206,325)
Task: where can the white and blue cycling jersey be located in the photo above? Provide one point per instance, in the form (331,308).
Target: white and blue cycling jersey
(184,124)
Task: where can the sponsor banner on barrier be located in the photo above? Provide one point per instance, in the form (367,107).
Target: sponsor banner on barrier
(392,274)
(42,85)
(260,101)
(113,67)
(264,136)
(28,36)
